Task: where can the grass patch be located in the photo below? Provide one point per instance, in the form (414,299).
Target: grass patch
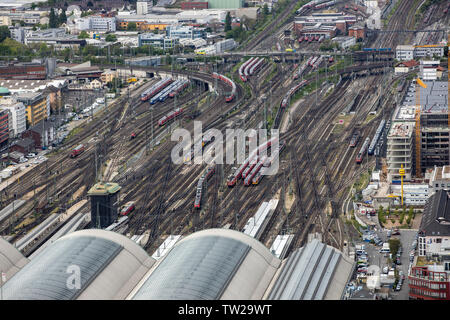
(73,132)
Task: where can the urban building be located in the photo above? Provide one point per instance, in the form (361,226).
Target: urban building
(429,51)
(440,179)
(430,282)
(43,134)
(194,5)
(4,126)
(345,42)
(157,41)
(149,61)
(406,66)
(17,33)
(96,23)
(24,146)
(59,43)
(434,127)
(185,32)
(400,150)
(17,112)
(409,52)
(225,4)
(108,76)
(213,264)
(104,204)
(144,6)
(357,32)
(428,70)
(434,230)
(36,105)
(404,52)
(413,194)
(23,71)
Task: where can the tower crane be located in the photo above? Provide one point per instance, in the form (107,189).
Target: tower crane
(419,83)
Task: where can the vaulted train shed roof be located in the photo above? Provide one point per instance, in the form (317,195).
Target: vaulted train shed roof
(211,264)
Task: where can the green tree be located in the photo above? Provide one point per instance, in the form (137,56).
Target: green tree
(111,38)
(265,9)
(131,26)
(62,17)
(53,19)
(228,22)
(394,245)
(4,33)
(90,4)
(83,35)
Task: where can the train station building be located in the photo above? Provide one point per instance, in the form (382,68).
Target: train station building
(212,264)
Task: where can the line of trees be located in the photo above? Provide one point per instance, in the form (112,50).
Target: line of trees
(56,20)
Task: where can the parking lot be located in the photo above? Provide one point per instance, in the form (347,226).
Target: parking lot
(374,257)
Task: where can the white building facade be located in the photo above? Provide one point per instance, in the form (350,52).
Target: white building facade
(17,111)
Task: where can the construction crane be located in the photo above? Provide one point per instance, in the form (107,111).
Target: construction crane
(419,83)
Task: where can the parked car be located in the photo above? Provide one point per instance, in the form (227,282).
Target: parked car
(363,269)
(396,232)
(398,287)
(31,155)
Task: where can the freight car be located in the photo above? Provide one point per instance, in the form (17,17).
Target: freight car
(362,151)
(77,150)
(229,82)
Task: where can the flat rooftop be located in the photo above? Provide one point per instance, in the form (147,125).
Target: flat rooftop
(441,173)
(103,188)
(401,130)
(433,98)
(405,113)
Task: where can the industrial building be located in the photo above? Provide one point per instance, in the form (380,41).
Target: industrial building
(339,20)
(23,71)
(104,204)
(213,264)
(400,150)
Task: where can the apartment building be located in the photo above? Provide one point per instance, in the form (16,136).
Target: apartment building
(18,114)
(36,105)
